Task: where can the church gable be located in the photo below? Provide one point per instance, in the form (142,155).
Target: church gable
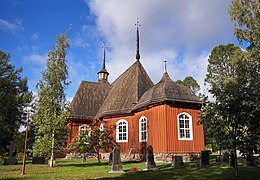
(88,99)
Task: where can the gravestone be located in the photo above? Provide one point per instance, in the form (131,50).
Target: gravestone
(10,160)
(232,159)
(38,160)
(225,158)
(150,164)
(219,159)
(84,158)
(204,158)
(177,161)
(116,162)
(110,158)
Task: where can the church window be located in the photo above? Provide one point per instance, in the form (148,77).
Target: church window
(122,131)
(143,129)
(184,127)
(85,129)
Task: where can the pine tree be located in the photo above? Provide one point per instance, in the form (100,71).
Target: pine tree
(14,96)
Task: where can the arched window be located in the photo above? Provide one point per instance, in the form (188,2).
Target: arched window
(85,129)
(185,127)
(121,131)
(101,127)
(143,129)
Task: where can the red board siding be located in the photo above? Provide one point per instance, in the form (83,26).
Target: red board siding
(162,128)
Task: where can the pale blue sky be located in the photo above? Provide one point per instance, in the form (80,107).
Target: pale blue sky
(182,32)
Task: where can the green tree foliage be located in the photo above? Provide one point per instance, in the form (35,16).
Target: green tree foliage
(94,140)
(191,83)
(246,17)
(14,96)
(49,120)
(229,77)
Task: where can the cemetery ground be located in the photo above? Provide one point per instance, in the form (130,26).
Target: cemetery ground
(75,169)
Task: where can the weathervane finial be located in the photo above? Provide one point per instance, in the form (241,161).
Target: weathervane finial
(137,39)
(165,70)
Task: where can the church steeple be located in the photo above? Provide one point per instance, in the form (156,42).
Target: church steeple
(137,40)
(103,74)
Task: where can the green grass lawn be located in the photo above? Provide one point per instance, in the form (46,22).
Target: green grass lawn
(75,169)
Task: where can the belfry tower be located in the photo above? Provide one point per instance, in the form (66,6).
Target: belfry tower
(103,74)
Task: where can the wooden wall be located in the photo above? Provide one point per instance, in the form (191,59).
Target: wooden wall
(162,130)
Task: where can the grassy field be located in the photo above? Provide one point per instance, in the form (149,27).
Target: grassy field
(75,169)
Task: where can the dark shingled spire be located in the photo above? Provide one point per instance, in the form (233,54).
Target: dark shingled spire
(137,40)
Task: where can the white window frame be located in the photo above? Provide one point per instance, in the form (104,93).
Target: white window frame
(143,120)
(190,128)
(101,127)
(84,128)
(122,123)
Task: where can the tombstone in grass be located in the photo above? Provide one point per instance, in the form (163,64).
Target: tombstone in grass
(150,164)
(10,160)
(232,159)
(116,162)
(225,158)
(204,158)
(84,158)
(38,160)
(219,159)
(110,159)
(177,161)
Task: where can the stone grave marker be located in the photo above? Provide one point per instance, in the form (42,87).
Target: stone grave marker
(10,160)
(38,160)
(110,158)
(177,161)
(150,163)
(116,162)
(84,158)
(232,159)
(204,158)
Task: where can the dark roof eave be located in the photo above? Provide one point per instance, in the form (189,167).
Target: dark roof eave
(81,118)
(164,100)
(115,113)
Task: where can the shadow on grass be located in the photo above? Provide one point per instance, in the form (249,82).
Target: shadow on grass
(188,171)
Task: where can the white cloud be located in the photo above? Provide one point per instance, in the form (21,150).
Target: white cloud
(36,58)
(182,32)
(82,39)
(11,27)
(34,36)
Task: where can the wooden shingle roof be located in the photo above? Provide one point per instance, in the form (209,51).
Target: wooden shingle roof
(88,99)
(126,91)
(167,90)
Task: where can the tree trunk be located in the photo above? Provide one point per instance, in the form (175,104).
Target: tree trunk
(52,151)
(235,155)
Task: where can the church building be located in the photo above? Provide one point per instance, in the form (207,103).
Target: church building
(164,115)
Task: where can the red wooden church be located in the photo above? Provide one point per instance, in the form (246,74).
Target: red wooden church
(164,115)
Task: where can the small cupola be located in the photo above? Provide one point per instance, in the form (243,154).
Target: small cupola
(103,74)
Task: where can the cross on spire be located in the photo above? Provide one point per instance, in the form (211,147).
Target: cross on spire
(165,70)
(137,40)
(137,23)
